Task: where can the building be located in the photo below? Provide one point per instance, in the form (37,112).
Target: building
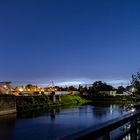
(28,90)
(5,87)
(111,93)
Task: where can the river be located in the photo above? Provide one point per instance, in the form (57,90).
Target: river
(57,122)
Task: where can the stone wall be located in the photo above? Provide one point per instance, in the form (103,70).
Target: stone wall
(7,105)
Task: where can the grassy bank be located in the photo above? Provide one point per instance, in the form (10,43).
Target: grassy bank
(31,103)
(72,99)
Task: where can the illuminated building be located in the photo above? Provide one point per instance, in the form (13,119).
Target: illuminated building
(5,87)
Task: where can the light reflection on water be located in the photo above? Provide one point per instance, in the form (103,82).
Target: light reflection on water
(56,123)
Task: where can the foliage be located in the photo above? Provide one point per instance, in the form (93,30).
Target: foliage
(136,81)
(72,99)
(40,102)
(121,89)
(100,86)
(70,88)
(82,89)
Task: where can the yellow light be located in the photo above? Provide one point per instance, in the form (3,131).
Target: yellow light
(20,89)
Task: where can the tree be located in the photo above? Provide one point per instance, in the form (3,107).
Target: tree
(82,89)
(29,87)
(128,88)
(91,90)
(121,89)
(100,86)
(136,81)
(72,88)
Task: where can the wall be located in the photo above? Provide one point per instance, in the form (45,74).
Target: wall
(7,105)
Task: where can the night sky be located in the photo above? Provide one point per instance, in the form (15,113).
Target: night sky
(69,41)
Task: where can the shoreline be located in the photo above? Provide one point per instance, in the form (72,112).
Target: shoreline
(23,104)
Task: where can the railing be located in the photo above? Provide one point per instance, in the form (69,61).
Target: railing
(106,128)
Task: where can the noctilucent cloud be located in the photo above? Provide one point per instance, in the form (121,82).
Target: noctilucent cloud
(69,41)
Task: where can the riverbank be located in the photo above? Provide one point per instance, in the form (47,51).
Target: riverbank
(43,103)
(31,103)
(111,99)
(7,105)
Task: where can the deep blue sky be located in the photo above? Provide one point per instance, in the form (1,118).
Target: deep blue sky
(69,40)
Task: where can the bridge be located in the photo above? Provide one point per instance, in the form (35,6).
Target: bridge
(132,121)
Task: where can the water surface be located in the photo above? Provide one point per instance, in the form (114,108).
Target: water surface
(56,123)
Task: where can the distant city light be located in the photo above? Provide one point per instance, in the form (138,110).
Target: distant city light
(5,86)
(20,89)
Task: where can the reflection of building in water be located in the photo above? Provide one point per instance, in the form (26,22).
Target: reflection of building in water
(7,126)
(5,87)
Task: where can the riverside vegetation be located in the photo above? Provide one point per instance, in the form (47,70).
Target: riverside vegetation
(31,103)
(44,103)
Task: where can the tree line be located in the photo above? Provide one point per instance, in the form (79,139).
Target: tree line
(98,86)
(95,88)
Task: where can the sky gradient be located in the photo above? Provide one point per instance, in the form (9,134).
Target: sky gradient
(69,41)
